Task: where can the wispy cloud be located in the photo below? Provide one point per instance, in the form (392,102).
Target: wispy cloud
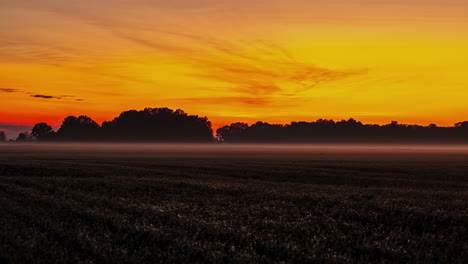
(231,100)
(9,90)
(45,96)
(274,75)
(40,95)
(250,68)
(256,70)
(152,44)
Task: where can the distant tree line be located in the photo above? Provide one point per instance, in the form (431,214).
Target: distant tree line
(167,125)
(324,130)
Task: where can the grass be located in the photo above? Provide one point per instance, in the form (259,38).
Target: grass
(158,206)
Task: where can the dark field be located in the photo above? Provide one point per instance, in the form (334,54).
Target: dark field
(240,204)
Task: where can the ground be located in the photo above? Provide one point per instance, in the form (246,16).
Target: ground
(123,203)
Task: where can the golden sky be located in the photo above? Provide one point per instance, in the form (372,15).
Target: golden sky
(236,60)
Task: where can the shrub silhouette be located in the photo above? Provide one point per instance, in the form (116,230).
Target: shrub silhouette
(2,136)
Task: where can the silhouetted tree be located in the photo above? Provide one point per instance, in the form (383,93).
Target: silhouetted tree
(81,128)
(158,124)
(2,136)
(233,132)
(25,136)
(42,131)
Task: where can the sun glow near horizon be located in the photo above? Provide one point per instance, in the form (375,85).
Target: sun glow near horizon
(374,61)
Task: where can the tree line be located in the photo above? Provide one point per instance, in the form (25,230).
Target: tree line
(167,125)
(324,130)
(147,125)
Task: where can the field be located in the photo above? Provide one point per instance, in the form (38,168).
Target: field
(93,203)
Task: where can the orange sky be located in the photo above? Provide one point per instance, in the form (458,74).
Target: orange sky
(276,61)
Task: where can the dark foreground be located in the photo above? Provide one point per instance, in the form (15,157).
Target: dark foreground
(238,204)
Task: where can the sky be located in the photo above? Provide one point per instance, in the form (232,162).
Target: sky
(237,60)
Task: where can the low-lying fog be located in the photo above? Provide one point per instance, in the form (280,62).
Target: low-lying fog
(223,149)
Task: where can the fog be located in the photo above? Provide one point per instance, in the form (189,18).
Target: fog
(223,149)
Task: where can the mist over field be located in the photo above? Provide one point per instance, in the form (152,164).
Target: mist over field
(219,149)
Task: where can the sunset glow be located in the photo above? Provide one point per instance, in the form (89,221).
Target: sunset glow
(275,61)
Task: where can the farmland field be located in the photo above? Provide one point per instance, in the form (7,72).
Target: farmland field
(124,203)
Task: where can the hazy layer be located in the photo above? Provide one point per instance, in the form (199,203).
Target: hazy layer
(223,149)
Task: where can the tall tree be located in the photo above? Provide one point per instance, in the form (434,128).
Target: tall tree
(41,131)
(158,125)
(78,128)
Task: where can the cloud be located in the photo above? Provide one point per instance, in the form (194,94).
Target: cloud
(152,44)
(247,69)
(257,67)
(9,90)
(45,96)
(232,100)
(250,68)
(259,101)
(64,97)
(34,51)
(273,75)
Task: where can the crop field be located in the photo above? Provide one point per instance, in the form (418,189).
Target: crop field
(92,203)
